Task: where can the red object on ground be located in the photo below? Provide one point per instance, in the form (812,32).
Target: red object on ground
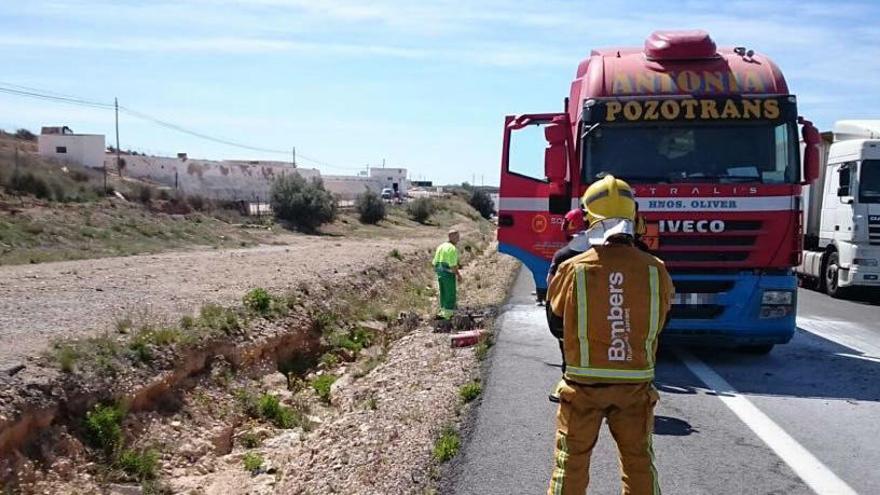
(466,339)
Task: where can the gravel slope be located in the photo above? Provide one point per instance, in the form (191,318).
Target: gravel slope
(41,302)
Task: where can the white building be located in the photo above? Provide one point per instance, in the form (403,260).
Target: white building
(392,178)
(62,144)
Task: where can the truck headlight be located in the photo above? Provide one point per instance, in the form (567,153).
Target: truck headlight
(777,297)
(865,261)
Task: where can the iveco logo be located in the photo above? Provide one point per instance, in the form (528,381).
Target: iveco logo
(691,226)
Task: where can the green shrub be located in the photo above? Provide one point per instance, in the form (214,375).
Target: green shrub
(395,253)
(370,207)
(139,464)
(144,193)
(271,409)
(421,209)
(216,317)
(470,391)
(104,427)
(482,202)
(329,360)
(25,134)
(322,384)
(30,183)
(481,350)
(253,462)
(79,176)
(66,356)
(258,300)
(304,204)
(140,350)
(447,445)
(250,440)
(198,203)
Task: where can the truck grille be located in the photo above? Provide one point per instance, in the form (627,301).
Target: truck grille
(695,299)
(735,244)
(696,312)
(874,229)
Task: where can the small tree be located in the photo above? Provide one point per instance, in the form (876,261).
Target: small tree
(304,204)
(25,135)
(420,209)
(482,202)
(370,207)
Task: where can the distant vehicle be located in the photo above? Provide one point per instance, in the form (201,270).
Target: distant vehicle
(387,193)
(842,213)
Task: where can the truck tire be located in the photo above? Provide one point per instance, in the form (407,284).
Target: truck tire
(831,274)
(757,349)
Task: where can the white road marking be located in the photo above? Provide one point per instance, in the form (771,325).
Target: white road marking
(844,333)
(815,474)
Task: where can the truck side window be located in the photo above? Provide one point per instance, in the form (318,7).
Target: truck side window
(845,175)
(526,156)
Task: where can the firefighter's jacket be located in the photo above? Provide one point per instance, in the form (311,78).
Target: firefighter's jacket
(613,301)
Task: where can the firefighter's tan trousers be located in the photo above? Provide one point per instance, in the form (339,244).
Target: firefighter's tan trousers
(629,409)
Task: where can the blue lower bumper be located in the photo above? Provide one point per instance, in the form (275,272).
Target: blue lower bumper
(732,317)
(729,317)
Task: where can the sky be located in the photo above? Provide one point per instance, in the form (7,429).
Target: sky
(423,85)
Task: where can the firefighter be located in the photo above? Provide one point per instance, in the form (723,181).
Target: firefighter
(611,301)
(447,268)
(573,226)
(573,223)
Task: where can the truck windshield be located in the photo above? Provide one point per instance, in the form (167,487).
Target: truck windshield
(754,152)
(869,182)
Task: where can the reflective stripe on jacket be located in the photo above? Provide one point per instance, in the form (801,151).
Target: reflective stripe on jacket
(445,258)
(613,301)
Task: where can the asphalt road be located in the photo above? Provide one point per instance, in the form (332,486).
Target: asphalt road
(803,419)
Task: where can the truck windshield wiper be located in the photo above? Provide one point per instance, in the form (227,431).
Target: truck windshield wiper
(720,178)
(635,178)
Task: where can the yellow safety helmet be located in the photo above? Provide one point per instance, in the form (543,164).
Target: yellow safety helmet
(609,197)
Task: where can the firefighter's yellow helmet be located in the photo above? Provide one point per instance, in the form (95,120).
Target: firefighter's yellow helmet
(609,197)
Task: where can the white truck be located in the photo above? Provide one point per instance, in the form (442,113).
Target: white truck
(842,211)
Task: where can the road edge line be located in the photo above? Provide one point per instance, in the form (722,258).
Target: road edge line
(804,464)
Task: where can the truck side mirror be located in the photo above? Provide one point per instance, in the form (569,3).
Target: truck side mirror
(555,163)
(811,138)
(842,191)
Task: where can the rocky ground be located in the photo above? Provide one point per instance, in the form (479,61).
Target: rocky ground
(374,434)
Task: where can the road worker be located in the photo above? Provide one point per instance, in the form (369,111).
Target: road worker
(611,301)
(447,267)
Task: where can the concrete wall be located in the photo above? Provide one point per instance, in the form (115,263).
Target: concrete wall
(224,180)
(246,180)
(82,149)
(348,187)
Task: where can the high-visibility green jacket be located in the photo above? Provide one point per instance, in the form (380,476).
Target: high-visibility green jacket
(445,258)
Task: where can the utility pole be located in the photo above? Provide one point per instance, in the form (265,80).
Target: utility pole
(294,157)
(118,160)
(383,163)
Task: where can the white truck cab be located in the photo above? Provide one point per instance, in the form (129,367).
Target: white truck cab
(842,211)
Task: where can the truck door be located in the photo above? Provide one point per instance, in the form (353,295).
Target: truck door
(534,192)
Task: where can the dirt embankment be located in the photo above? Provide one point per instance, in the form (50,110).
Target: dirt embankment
(372,431)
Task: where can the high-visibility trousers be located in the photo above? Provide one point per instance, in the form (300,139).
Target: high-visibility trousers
(629,410)
(447,294)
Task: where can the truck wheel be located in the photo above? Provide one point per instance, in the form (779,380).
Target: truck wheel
(832,273)
(759,349)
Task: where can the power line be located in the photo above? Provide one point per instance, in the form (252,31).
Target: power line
(18,90)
